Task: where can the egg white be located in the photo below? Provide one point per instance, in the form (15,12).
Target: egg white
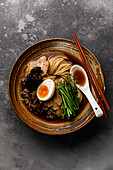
(51,86)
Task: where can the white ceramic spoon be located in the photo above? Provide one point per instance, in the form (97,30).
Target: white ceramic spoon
(86,90)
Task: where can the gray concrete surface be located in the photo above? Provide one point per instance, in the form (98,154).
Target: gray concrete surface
(24,22)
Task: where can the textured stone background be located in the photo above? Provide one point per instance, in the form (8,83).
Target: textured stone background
(24,22)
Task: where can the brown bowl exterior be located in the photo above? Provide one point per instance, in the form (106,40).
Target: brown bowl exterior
(53,128)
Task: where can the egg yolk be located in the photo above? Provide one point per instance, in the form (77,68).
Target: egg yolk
(43,91)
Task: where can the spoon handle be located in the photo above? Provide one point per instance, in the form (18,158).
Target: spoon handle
(97,110)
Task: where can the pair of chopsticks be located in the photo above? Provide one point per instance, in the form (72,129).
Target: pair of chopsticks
(91,76)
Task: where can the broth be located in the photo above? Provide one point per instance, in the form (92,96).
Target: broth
(79,77)
(74,60)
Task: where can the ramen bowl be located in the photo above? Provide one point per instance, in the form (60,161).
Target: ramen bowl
(53,127)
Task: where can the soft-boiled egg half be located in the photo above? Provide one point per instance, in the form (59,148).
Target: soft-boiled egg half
(46,90)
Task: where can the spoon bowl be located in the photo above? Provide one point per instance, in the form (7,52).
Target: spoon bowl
(86,89)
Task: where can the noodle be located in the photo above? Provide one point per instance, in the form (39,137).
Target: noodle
(59,65)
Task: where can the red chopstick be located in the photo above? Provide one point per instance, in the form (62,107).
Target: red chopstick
(86,64)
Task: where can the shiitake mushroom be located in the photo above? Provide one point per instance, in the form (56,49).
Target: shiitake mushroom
(36,70)
(32,79)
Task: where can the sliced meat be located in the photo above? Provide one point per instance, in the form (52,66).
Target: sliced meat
(57,100)
(41,62)
(44,64)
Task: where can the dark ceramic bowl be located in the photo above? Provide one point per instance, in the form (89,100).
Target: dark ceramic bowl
(50,127)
